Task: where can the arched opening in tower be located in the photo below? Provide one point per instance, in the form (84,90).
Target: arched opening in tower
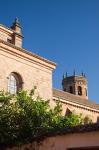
(79,90)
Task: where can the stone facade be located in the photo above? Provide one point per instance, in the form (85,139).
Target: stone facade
(32,70)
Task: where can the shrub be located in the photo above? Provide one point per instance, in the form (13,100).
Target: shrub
(21,116)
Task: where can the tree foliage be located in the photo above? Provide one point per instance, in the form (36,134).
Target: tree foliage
(22,115)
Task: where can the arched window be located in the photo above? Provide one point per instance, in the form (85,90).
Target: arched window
(68,112)
(79,90)
(71,89)
(14,83)
(87,120)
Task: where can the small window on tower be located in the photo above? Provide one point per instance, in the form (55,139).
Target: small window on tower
(9,40)
(86,91)
(71,89)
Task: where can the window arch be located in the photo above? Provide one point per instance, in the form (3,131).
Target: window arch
(79,90)
(14,83)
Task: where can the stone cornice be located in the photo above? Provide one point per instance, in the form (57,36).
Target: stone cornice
(76,105)
(6,28)
(29,54)
(9,30)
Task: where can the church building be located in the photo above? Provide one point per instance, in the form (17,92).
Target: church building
(22,69)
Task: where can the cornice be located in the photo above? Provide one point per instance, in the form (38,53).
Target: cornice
(7,28)
(53,65)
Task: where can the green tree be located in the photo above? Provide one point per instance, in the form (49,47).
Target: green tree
(22,117)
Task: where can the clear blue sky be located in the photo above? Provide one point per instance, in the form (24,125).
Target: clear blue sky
(64,31)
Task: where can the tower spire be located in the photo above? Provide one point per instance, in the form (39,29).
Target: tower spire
(17,33)
(66,74)
(74,73)
(82,73)
(16,26)
(17,20)
(63,76)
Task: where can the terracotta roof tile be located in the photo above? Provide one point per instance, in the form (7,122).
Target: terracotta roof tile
(75,99)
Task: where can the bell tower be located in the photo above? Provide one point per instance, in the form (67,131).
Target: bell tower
(75,84)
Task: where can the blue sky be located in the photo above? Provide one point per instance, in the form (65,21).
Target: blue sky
(64,31)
